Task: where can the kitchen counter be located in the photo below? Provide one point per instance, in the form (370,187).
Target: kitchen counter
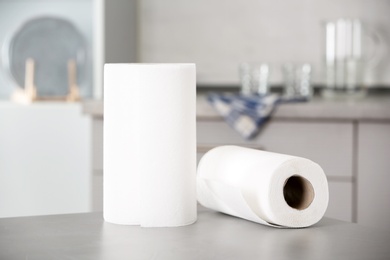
(348,137)
(372,107)
(213,236)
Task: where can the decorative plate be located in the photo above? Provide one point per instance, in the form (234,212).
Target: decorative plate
(51,42)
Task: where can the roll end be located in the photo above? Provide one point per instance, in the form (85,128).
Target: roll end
(298,192)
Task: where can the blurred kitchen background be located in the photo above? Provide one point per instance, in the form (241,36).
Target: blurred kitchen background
(51,109)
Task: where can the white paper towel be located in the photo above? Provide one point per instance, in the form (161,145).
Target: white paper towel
(268,188)
(150,144)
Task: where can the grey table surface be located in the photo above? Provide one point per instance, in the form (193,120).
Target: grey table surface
(213,236)
(371,107)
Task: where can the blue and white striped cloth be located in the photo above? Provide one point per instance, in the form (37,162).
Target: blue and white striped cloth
(246,114)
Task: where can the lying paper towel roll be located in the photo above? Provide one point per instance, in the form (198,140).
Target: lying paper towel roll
(150,144)
(268,188)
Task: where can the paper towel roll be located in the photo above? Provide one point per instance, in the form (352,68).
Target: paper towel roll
(268,188)
(150,144)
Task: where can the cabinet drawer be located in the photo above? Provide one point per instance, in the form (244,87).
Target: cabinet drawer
(374,175)
(340,201)
(97,191)
(329,144)
(97,145)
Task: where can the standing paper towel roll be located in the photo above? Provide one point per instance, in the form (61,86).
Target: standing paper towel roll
(268,188)
(150,144)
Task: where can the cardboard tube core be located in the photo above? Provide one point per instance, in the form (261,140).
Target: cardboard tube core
(298,192)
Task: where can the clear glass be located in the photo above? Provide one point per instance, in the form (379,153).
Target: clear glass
(245,79)
(352,50)
(297,80)
(254,78)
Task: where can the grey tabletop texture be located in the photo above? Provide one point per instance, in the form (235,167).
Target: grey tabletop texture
(213,236)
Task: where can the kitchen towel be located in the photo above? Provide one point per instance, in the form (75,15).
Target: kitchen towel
(268,188)
(247,113)
(150,144)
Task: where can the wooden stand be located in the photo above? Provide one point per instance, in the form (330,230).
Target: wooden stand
(29,93)
(74,93)
(29,88)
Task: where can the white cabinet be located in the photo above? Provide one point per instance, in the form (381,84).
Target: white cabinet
(328,143)
(374,174)
(97,165)
(356,162)
(341,201)
(44,159)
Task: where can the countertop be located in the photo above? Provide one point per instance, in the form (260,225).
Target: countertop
(371,107)
(213,236)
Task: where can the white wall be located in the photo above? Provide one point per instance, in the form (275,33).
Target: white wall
(219,34)
(120,31)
